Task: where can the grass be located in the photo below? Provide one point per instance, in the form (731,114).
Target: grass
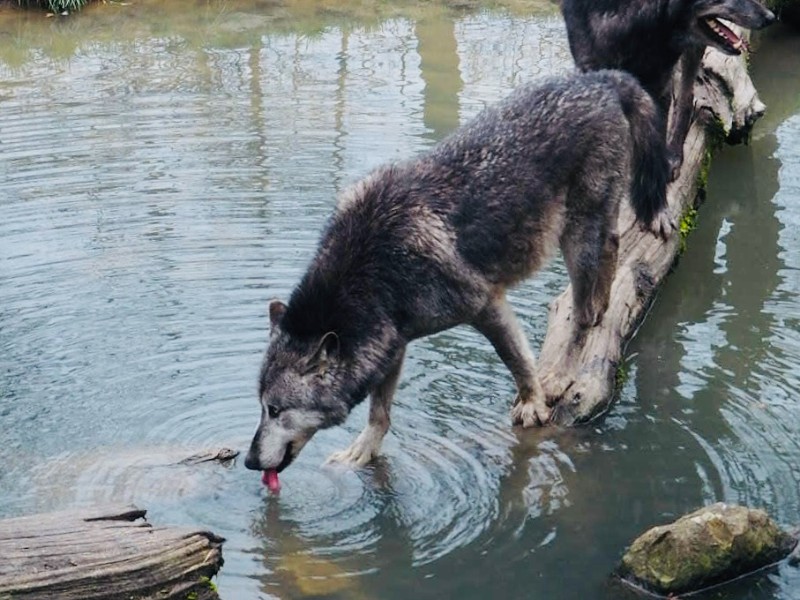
(58,6)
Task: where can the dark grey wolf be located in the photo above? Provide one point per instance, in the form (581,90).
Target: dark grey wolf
(424,245)
(648,38)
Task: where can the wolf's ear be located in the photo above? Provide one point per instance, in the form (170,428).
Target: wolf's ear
(326,352)
(276,312)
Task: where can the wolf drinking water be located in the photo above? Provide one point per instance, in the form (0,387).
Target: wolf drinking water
(431,243)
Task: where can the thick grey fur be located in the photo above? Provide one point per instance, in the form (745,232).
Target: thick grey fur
(434,242)
(648,38)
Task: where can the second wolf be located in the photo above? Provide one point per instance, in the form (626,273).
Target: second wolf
(648,38)
(425,245)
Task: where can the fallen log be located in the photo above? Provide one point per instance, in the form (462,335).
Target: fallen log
(105,553)
(578,376)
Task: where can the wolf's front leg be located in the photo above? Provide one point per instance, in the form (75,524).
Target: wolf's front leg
(683,108)
(498,323)
(368,443)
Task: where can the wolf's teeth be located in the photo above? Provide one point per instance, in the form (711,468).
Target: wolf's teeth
(723,32)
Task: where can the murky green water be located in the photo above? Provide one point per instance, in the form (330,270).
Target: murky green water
(165,169)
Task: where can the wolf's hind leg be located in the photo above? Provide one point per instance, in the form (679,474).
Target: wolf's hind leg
(605,276)
(584,249)
(368,443)
(498,323)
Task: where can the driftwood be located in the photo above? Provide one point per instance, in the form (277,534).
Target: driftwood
(223,456)
(105,553)
(580,377)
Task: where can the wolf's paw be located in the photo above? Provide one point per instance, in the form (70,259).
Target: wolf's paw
(663,225)
(353,457)
(530,413)
(675,163)
(366,447)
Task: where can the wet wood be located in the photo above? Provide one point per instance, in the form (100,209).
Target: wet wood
(105,553)
(224,456)
(580,377)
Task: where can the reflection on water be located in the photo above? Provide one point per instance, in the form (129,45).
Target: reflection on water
(165,169)
(725,334)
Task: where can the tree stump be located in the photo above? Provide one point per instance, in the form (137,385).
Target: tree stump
(579,376)
(103,554)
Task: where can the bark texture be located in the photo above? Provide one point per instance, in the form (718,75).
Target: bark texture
(105,553)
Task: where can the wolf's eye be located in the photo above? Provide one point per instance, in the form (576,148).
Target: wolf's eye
(273,411)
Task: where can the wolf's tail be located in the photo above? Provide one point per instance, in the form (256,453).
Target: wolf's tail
(650,164)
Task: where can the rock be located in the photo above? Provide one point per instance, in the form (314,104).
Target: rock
(707,547)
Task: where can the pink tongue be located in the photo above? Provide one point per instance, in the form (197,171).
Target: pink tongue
(270,479)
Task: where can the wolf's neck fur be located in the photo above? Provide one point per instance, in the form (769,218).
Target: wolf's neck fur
(347,288)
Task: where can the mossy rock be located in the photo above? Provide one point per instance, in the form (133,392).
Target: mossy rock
(707,547)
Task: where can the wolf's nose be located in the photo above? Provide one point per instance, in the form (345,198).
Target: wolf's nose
(251,461)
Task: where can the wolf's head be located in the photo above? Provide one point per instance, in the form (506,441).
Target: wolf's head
(711,21)
(337,337)
(311,379)
(301,388)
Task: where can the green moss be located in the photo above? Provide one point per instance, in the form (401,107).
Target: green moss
(622,374)
(687,225)
(716,134)
(705,169)
(206,581)
(709,546)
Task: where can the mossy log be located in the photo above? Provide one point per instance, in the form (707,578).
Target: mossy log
(705,548)
(579,378)
(105,553)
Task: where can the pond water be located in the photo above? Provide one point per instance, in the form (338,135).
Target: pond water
(165,169)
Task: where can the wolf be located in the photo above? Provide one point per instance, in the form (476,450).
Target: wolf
(424,245)
(648,38)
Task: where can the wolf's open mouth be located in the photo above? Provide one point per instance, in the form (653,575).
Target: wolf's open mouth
(725,36)
(269,477)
